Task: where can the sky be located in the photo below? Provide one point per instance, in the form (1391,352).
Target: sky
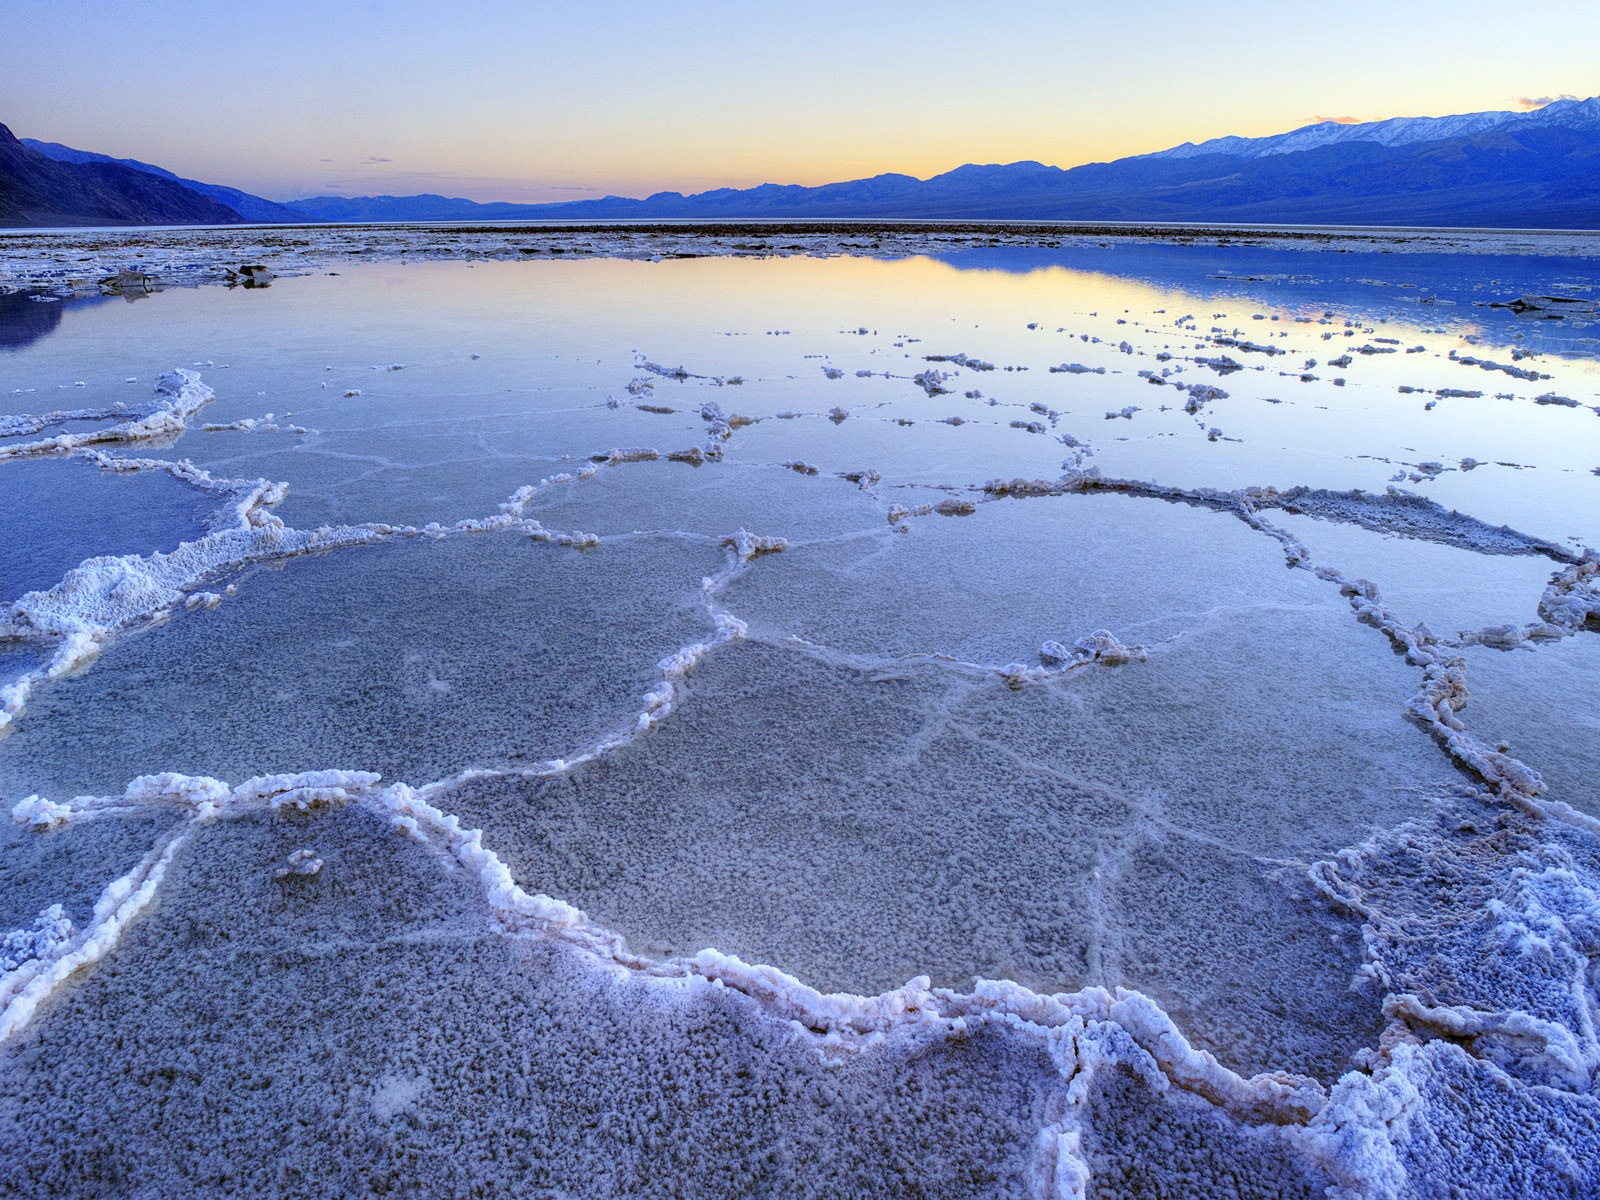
(556,100)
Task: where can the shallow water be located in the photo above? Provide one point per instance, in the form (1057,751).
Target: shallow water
(797,610)
(58,512)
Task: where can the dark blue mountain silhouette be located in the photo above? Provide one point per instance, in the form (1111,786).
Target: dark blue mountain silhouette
(1537,169)
(251,208)
(1517,170)
(37,190)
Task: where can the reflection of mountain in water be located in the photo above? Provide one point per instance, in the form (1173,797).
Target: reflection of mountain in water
(24,320)
(1371,283)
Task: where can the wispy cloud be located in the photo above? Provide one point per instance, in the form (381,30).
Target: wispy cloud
(401,182)
(1336,120)
(1532,102)
(328,160)
(370,159)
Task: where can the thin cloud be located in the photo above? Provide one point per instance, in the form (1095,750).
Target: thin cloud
(373,158)
(483,188)
(1532,102)
(1336,120)
(329,160)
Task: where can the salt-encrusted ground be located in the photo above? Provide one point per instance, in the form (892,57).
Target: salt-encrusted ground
(74,262)
(481,728)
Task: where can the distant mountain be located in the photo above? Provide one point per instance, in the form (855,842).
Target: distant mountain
(251,208)
(1537,169)
(896,195)
(409,208)
(37,190)
(1397,131)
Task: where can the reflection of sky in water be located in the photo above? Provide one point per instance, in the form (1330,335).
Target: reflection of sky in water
(451,434)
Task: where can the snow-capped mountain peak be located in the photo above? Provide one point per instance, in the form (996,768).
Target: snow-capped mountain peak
(1396,131)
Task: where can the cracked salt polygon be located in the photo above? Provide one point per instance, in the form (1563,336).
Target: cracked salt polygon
(1539,701)
(901,781)
(619,1061)
(707,503)
(1447,584)
(1036,570)
(541,650)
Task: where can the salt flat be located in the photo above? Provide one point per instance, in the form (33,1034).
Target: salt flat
(813,710)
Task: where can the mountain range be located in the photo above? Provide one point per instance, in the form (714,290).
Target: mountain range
(247,207)
(1538,169)
(37,190)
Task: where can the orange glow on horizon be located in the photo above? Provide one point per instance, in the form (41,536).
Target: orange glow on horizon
(557,102)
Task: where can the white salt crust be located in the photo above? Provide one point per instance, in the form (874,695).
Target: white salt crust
(180,395)
(73,263)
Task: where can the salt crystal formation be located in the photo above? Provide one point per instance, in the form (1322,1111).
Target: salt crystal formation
(531,772)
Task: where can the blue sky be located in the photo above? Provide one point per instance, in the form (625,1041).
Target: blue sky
(564,100)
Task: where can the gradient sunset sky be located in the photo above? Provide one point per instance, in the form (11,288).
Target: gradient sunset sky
(563,101)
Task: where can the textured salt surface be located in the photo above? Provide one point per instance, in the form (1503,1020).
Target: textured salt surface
(1466,1109)
(416,658)
(59,512)
(1143,1143)
(70,866)
(1034,616)
(1460,970)
(1542,704)
(341,1019)
(857,833)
